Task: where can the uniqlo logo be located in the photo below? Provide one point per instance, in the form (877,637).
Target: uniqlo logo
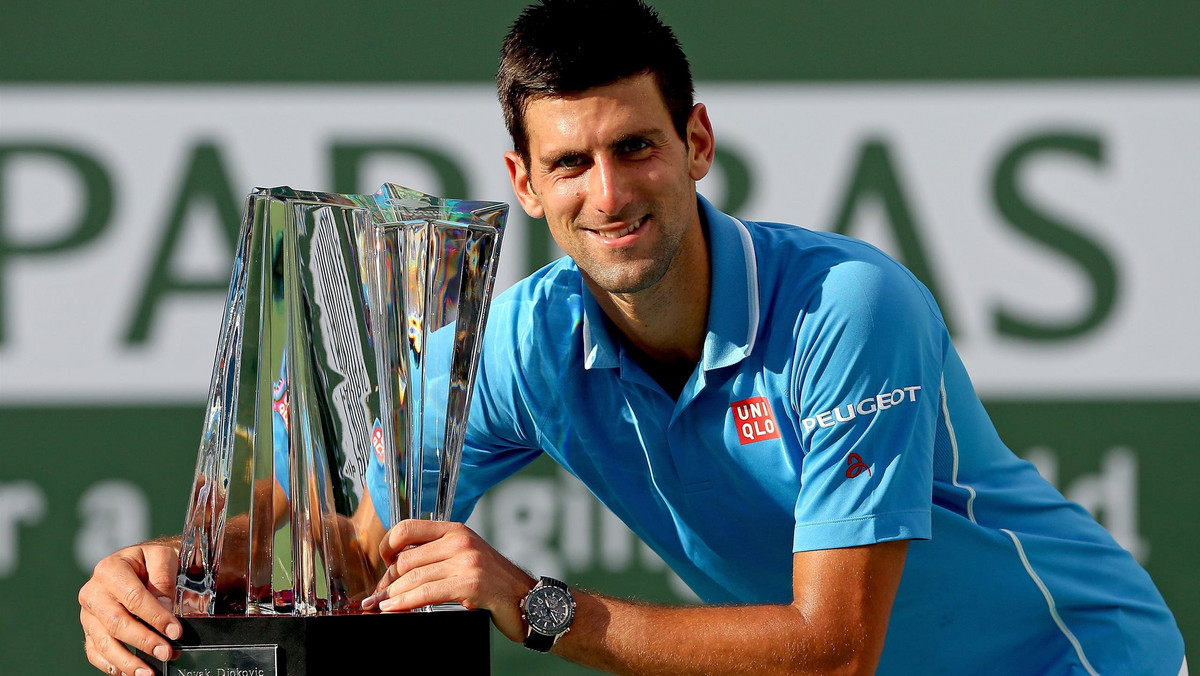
(754,420)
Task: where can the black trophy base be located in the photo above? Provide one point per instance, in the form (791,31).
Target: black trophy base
(454,641)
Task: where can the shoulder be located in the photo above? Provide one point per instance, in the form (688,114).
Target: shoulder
(836,275)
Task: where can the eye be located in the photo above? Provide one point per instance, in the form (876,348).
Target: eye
(632,146)
(569,162)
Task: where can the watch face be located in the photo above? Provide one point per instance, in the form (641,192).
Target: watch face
(549,610)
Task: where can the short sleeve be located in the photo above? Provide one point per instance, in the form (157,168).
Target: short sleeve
(867,382)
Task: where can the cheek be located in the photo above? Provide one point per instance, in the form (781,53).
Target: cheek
(564,199)
(661,181)
(569,189)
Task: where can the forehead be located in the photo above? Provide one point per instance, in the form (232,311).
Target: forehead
(598,115)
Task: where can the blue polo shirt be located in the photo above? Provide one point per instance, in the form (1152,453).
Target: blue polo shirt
(829,409)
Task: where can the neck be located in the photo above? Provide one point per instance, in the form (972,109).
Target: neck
(666,323)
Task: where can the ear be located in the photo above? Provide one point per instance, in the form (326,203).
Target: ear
(522,188)
(701,143)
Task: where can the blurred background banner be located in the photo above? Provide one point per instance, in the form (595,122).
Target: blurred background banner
(1036,165)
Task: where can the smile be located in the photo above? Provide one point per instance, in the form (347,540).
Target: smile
(614,234)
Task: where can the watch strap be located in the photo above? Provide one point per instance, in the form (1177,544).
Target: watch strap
(539,642)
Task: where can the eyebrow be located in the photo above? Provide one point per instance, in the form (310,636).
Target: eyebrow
(652,134)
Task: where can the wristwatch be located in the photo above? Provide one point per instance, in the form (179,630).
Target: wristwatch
(548,610)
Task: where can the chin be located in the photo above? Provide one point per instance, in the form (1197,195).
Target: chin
(632,282)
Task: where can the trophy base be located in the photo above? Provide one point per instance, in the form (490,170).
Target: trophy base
(457,640)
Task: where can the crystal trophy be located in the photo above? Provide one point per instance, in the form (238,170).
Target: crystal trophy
(347,350)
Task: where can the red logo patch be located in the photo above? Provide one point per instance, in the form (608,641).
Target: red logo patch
(754,420)
(855,466)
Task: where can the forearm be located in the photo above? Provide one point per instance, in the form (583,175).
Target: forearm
(835,625)
(625,637)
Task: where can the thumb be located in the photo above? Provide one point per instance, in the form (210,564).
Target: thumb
(162,569)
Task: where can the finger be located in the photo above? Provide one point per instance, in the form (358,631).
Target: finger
(412,532)
(455,578)
(389,576)
(415,577)
(413,557)
(105,650)
(453,542)
(96,659)
(125,579)
(394,572)
(106,620)
(428,593)
(115,647)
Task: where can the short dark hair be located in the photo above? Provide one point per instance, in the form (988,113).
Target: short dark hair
(562,47)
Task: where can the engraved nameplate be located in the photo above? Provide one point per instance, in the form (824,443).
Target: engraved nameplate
(249,660)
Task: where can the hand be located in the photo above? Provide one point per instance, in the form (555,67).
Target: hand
(433,562)
(136,582)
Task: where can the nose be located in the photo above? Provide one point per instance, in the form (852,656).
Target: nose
(610,186)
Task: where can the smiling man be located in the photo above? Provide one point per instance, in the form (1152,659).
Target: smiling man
(779,413)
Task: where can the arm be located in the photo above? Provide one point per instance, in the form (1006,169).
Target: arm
(835,625)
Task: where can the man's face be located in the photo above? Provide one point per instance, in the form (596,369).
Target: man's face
(614,180)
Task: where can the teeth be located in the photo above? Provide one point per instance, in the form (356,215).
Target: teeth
(613,234)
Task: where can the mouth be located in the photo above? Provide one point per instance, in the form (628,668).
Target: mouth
(621,232)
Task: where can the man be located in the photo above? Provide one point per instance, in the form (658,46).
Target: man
(779,413)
